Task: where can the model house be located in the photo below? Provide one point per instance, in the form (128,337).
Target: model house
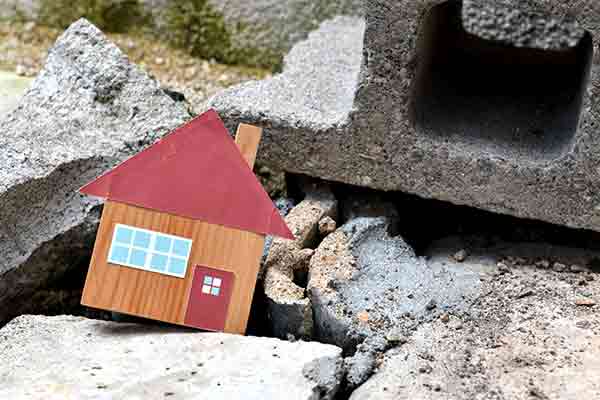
(183,229)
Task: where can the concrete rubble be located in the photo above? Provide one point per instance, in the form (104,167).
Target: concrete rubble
(457,103)
(88,109)
(289,310)
(73,357)
(527,335)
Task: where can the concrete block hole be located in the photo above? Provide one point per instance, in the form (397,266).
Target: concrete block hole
(491,97)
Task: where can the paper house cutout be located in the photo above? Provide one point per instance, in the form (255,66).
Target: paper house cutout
(183,229)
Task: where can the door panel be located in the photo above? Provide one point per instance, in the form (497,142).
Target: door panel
(209,298)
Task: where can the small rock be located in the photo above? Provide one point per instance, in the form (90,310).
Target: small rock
(559,267)
(503,268)
(585,324)
(524,293)
(445,318)
(159,61)
(576,268)
(327,225)
(425,369)
(21,70)
(585,302)
(543,264)
(28,27)
(431,305)
(460,256)
(396,338)
(520,261)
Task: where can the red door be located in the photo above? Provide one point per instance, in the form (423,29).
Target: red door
(209,298)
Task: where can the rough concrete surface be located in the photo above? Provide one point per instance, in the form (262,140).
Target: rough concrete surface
(532,333)
(289,310)
(500,118)
(369,289)
(71,357)
(363,282)
(87,110)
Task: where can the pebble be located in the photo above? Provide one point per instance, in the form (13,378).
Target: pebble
(431,305)
(460,256)
(396,338)
(21,70)
(503,268)
(543,264)
(29,26)
(327,225)
(559,267)
(583,324)
(425,369)
(525,293)
(577,268)
(445,318)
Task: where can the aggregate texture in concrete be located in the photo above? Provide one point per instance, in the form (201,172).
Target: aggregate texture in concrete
(487,104)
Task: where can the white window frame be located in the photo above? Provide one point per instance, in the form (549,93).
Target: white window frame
(150,250)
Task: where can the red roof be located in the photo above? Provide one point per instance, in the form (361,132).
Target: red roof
(198,172)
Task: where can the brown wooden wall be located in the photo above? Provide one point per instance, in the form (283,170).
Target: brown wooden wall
(162,297)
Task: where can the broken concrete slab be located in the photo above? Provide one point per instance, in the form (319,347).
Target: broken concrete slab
(88,109)
(456,103)
(364,282)
(64,356)
(524,337)
(368,289)
(289,310)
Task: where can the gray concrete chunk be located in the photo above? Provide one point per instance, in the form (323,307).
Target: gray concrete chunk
(487,104)
(72,357)
(87,110)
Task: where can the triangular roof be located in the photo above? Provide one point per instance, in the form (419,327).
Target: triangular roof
(196,171)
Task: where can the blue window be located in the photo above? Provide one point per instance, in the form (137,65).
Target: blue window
(119,254)
(123,235)
(181,247)
(159,262)
(142,239)
(149,250)
(137,258)
(163,244)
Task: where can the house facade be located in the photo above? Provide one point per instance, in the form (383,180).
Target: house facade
(182,230)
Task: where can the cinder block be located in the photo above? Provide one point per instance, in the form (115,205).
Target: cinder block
(491,104)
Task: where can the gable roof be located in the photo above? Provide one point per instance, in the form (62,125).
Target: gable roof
(198,172)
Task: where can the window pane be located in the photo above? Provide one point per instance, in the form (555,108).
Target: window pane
(142,239)
(119,254)
(216,282)
(206,289)
(162,244)
(214,291)
(208,280)
(181,247)
(138,258)
(158,262)
(123,235)
(176,266)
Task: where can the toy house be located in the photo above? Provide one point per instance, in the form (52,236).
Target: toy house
(183,228)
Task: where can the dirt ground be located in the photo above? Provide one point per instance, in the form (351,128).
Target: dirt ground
(24,46)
